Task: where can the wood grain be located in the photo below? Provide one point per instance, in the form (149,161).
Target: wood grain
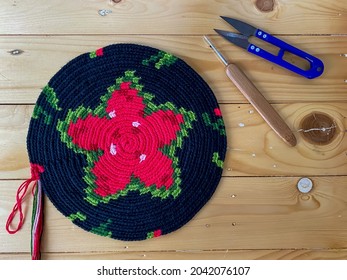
(22,76)
(244,213)
(253,148)
(257,211)
(314,254)
(169,16)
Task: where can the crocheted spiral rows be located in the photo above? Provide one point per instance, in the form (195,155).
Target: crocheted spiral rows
(131,141)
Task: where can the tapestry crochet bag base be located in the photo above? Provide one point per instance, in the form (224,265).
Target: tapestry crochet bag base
(127,141)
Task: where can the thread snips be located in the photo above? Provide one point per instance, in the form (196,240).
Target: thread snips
(242,40)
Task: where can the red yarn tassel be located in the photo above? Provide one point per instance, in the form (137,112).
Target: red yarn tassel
(37,223)
(21,192)
(36,170)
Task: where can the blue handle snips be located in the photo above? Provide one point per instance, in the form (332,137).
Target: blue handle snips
(246,30)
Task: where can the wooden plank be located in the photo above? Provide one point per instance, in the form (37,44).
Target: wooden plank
(253,148)
(244,213)
(339,254)
(22,76)
(170,16)
(14,124)
(252,215)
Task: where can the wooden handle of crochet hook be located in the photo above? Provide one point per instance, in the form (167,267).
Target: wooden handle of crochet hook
(259,102)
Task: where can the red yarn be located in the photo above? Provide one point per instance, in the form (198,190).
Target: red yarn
(37,223)
(217,112)
(21,192)
(133,142)
(99,52)
(157,233)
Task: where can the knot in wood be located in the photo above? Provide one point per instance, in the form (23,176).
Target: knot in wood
(265,6)
(318,128)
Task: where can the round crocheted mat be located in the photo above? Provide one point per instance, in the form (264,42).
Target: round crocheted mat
(131,141)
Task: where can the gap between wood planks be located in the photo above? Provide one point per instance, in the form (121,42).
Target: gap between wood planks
(161,35)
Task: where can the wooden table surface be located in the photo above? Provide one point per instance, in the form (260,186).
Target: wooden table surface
(257,211)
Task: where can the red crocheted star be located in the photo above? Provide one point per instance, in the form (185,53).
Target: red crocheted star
(130,140)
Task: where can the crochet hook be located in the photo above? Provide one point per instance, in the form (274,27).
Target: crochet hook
(253,95)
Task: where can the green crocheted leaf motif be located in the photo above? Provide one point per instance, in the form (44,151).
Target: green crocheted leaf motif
(159,60)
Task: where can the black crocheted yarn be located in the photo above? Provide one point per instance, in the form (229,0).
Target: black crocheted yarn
(131,139)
